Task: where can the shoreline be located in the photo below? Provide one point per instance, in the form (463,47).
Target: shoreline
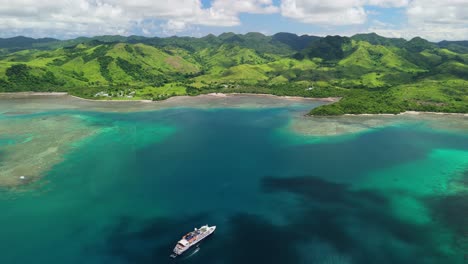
(215,95)
(34,93)
(223,95)
(432,113)
(324,99)
(126,100)
(410,113)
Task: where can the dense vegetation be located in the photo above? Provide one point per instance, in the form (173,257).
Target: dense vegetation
(371,73)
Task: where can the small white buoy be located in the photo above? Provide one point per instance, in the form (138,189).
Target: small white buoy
(22,177)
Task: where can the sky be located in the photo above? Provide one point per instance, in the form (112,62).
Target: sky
(434,20)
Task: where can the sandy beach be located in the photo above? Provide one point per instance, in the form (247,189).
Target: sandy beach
(411,113)
(325,99)
(20,94)
(216,95)
(186,100)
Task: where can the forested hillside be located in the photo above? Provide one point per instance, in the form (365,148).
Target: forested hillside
(372,73)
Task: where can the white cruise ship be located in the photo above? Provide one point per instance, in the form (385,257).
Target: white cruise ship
(192,239)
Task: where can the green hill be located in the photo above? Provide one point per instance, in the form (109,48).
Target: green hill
(375,39)
(372,73)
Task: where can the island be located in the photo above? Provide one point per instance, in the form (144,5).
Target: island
(370,73)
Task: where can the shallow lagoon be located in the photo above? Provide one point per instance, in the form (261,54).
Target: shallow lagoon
(121,182)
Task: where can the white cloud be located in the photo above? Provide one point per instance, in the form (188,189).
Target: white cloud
(453,12)
(97,17)
(333,12)
(433,20)
(221,13)
(431,33)
(379,24)
(245,6)
(330,12)
(387,3)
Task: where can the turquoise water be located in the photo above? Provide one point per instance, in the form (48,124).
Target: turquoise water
(126,194)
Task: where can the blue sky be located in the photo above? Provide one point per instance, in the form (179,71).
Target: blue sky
(434,20)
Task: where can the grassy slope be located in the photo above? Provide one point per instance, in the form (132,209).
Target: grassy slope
(371,78)
(434,80)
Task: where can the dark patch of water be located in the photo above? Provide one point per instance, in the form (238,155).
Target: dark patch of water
(357,225)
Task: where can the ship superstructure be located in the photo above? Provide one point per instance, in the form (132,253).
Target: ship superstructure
(192,238)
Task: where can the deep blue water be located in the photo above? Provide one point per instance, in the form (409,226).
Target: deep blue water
(124,197)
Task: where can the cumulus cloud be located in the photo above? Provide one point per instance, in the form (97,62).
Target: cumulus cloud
(453,12)
(387,3)
(245,6)
(333,12)
(79,16)
(97,17)
(432,33)
(427,31)
(433,20)
(324,12)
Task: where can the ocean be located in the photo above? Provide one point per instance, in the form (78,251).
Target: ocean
(104,185)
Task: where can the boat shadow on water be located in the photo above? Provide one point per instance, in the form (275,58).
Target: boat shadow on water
(188,255)
(192,253)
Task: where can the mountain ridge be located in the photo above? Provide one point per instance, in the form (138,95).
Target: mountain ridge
(372,73)
(371,37)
